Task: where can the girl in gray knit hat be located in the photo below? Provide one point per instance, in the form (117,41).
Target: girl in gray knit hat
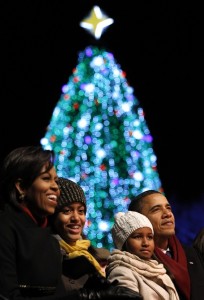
(132,263)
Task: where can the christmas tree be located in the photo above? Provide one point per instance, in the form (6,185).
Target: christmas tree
(101,140)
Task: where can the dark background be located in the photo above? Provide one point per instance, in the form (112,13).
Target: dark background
(159,44)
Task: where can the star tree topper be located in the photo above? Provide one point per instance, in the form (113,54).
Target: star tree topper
(96,22)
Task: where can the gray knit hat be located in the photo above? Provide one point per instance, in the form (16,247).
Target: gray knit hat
(125,224)
(70,192)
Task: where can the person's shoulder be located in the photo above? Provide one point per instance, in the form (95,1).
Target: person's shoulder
(13,218)
(5,216)
(102,253)
(77,267)
(189,250)
(193,257)
(7,224)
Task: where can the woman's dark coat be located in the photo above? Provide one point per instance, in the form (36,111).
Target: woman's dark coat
(30,258)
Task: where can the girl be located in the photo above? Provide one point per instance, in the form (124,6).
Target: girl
(132,263)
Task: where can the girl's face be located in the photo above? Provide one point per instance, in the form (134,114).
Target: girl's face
(141,243)
(41,197)
(69,222)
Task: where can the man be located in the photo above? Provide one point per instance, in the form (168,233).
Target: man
(155,206)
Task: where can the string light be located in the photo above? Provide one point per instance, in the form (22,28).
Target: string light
(101,140)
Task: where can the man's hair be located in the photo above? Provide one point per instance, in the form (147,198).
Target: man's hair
(198,242)
(136,203)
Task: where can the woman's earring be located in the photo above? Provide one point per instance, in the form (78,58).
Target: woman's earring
(21,197)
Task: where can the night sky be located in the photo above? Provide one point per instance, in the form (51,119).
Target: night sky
(159,46)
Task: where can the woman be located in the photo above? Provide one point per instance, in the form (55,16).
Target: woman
(30,257)
(67,224)
(132,263)
(195,258)
(82,263)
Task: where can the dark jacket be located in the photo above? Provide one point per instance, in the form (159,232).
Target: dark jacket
(30,258)
(30,265)
(196,271)
(79,272)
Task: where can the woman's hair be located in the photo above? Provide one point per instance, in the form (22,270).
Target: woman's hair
(198,242)
(24,163)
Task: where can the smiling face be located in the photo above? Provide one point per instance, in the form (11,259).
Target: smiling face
(70,221)
(41,197)
(141,243)
(158,210)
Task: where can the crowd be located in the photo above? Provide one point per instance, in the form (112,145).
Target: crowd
(44,253)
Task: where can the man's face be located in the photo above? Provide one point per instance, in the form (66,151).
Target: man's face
(158,210)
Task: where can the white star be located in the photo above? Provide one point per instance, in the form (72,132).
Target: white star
(96,22)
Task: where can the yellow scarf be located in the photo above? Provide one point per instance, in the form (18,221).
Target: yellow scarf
(81,248)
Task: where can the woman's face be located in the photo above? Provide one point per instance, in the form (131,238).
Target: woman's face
(141,243)
(69,222)
(41,197)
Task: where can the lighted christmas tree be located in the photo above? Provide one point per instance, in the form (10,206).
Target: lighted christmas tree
(101,140)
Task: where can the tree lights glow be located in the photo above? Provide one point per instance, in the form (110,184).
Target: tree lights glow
(101,140)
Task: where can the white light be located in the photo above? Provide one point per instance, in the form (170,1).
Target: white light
(137,134)
(56,112)
(99,126)
(138,176)
(101,26)
(103,226)
(126,107)
(97,61)
(82,123)
(44,141)
(89,87)
(101,153)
